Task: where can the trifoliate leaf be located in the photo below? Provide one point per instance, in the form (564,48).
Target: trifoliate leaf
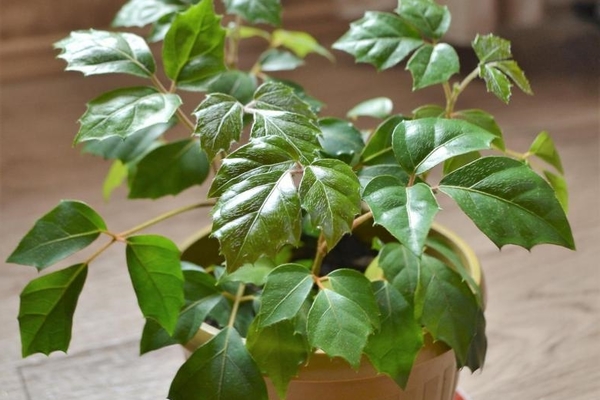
(559,184)
(484,120)
(238,84)
(511,69)
(401,268)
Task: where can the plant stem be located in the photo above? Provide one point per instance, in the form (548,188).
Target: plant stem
(320,255)
(452,95)
(234,42)
(362,219)
(180,114)
(236,304)
(100,251)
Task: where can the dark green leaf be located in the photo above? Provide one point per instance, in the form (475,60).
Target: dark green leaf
(432,19)
(154,337)
(421,144)
(338,326)
(238,84)
(433,64)
(559,184)
(278,96)
(491,48)
(255,274)
(143,12)
(68,228)
(341,140)
(46,311)
(279,60)
(330,194)
(314,104)
(382,39)
(256,11)
(219,123)
(354,285)
(401,268)
(544,148)
(126,111)
(169,169)
(478,347)
(221,369)
(511,69)
(406,212)
(301,43)
(101,52)
(160,28)
(155,271)
(483,120)
(379,107)
(286,289)
(378,149)
(509,202)
(496,82)
(428,111)
(194,46)
(394,347)
(368,173)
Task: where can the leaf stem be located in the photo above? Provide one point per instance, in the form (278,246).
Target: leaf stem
(362,219)
(452,95)
(320,255)
(100,251)
(236,304)
(234,42)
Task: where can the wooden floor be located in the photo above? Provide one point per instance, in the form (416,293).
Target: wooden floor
(544,306)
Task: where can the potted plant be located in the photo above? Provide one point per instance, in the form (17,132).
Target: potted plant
(323,250)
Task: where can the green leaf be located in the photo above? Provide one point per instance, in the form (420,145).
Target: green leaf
(544,148)
(278,351)
(378,149)
(301,43)
(154,337)
(382,39)
(143,12)
(511,69)
(219,123)
(330,194)
(125,111)
(101,52)
(254,274)
(433,64)
(401,268)
(168,170)
(368,173)
(315,105)
(221,369)
(238,84)
(483,120)
(491,48)
(509,202)
(447,308)
(287,287)
(117,174)
(496,82)
(559,184)
(338,326)
(394,347)
(458,161)
(406,212)
(160,28)
(256,11)
(46,310)
(247,32)
(341,140)
(354,285)
(155,271)
(279,60)
(432,19)
(378,107)
(279,96)
(194,46)
(421,144)
(68,228)
(428,111)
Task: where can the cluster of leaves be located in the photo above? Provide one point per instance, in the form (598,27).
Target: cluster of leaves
(297,173)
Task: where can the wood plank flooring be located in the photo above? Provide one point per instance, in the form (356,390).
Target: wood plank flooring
(544,306)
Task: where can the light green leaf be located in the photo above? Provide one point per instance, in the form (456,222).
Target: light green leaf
(354,285)
(484,120)
(559,184)
(256,11)
(491,48)
(194,46)
(428,111)
(287,287)
(168,170)
(254,274)
(401,268)
(382,39)
(544,148)
(301,43)
(406,212)
(432,19)
(117,174)
(378,107)
(46,310)
(68,228)
(219,123)
(279,60)
(338,326)
(421,144)
(341,140)
(511,69)
(378,149)
(101,52)
(456,162)
(143,12)
(238,84)
(496,82)
(155,271)
(394,347)
(509,202)
(123,112)
(221,369)
(247,32)
(433,64)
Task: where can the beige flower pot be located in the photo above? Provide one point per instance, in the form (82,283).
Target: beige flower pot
(433,376)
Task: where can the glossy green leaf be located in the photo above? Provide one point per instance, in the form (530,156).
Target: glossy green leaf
(430,18)
(143,12)
(221,369)
(341,140)
(338,326)
(428,111)
(219,123)
(101,52)
(314,104)
(378,107)
(123,112)
(406,212)
(378,149)
(393,348)
(68,228)
(301,43)
(279,60)
(511,69)
(287,287)
(238,84)
(155,271)
(496,82)
(559,184)
(256,11)
(483,120)
(278,351)
(368,173)
(401,268)
(491,48)
(382,39)
(544,148)
(354,285)
(46,310)
(421,144)
(433,64)
(456,162)
(194,46)
(509,202)
(254,274)
(330,194)
(117,174)
(448,309)
(279,96)
(169,169)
